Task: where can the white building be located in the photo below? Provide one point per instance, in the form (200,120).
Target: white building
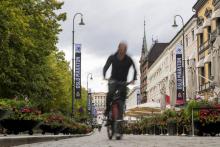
(99,101)
(133,98)
(162,74)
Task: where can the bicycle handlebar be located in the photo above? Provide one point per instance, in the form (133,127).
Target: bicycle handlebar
(120,83)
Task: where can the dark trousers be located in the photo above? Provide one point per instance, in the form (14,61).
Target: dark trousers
(112,88)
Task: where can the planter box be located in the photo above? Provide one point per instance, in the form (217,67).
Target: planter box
(211,128)
(3,113)
(17,126)
(171,128)
(51,129)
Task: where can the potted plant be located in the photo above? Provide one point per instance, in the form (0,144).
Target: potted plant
(4,108)
(52,123)
(22,117)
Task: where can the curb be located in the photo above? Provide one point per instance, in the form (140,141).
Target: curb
(8,141)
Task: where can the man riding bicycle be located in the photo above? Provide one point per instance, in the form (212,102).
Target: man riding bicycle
(121,64)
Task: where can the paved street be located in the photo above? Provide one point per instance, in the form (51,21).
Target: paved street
(100,140)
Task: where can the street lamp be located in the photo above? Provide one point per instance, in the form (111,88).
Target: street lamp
(89,101)
(73,51)
(184,67)
(91,78)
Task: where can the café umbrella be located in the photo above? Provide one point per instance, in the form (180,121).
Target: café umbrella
(172,86)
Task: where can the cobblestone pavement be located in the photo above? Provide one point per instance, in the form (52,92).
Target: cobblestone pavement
(99,139)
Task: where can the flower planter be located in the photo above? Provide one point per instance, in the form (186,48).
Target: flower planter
(171,128)
(66,131)
(210,128)
(47,128)
(17,126)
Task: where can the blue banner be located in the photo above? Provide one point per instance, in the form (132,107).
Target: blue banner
(179,75)
(78,71)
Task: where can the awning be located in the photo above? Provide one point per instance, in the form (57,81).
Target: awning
(199,31)
(144,109)
(216,14)
(207,23)
(207,59)
(200,63)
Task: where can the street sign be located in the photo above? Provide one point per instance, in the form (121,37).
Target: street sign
(78,71)
(179,74)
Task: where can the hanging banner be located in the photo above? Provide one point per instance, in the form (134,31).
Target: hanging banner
(179,75)
(78,71)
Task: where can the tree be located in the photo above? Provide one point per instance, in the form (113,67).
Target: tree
(30,63)
(28,35)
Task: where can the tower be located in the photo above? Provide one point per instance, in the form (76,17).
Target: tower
(143,67)
(144,52)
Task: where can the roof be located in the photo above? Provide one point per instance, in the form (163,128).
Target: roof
(155,52)
(199,4)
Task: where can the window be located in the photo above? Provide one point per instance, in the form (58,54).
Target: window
(209,32)
(210,69)
(193,35)
(202,71)
(218,25)
(187,40)
(201,39)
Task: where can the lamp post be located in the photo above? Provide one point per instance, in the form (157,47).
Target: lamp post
(184,67)
(89,101)
(138,99)
(73,51)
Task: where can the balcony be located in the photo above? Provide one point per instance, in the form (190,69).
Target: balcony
(205,87)
(204,46)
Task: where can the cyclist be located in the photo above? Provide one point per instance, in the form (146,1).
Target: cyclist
(121,64)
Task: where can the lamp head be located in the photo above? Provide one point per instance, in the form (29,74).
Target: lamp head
(174,24)
(82,22)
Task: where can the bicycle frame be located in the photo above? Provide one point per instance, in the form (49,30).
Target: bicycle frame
(116,115)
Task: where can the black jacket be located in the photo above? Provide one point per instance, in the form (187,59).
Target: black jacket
(120,68)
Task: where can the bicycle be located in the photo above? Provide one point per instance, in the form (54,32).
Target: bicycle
(115,117)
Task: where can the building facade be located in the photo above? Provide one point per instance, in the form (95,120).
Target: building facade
(133,98)
(162,73)
(204,11)
(147,59)
(208,14)
(99,101)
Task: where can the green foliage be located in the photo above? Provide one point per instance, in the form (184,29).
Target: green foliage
(20,109)
(30,64)
(195,104)
(81,107)
(28,32)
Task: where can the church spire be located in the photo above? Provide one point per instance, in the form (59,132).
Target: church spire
(144,45)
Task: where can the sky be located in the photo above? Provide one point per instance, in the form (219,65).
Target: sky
(110,21)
